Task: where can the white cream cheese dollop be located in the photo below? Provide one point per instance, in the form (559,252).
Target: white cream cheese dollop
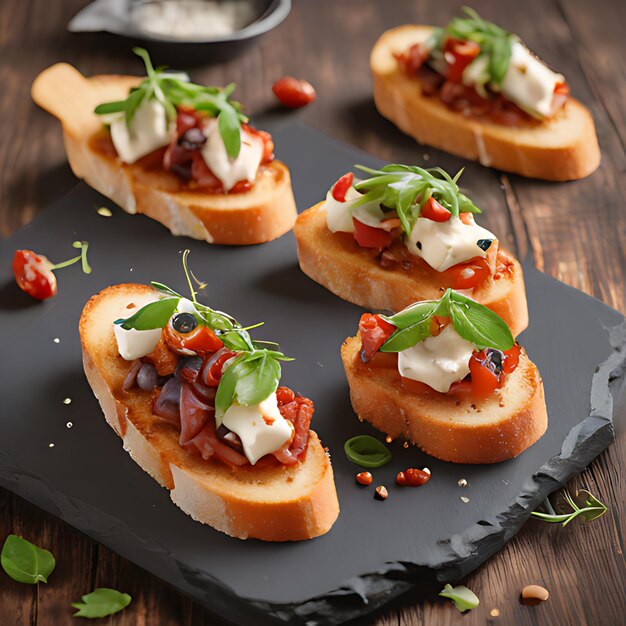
(149,130)
(437,361)
(133,344)
(230,171)
(444,244)
(339,214)
(530,83)
(261,427)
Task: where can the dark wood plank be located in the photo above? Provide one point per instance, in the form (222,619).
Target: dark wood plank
(577,232)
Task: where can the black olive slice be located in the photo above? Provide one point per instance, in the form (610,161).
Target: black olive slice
(184,322)
(484,244)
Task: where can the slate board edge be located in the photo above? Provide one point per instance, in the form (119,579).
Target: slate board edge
(364,594)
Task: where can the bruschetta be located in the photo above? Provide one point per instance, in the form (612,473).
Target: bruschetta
(475,90)
(199,407)
(406,234)
(448,376)
(180,153)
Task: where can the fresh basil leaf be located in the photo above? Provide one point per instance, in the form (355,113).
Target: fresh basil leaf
(407,337)
(25,562)
(367,451)
(259,381)
(226,388)
(101,602)
(464,599)
(215,319)
(478,324)
(230,130)
(165,289)
(412,314)
(132,104)
(110,107)
(237,339)
(153,315)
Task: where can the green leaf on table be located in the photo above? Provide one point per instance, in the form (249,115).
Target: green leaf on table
(153,315)
(592,510)
(101,602)
(367,451)
(464,599)
(25,562)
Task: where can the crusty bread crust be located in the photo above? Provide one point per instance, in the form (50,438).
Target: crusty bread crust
(340,265)
(264,213)
(451,429)
(279,503)
(562,148)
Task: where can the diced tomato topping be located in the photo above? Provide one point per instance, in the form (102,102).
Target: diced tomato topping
(374,331)
(266,138)
(33,274)
(163,358)
(561,93)
(511,359)
(340,188)
(213,373)
(458,54)
(371,237)
(201,340)
(468,275)
(411,60)
(434,211)
(466,218)
(484,380)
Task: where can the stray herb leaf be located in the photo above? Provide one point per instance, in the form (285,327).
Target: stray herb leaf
(25,562)
(593,509)
(464,599)
(101,602)
(367,451)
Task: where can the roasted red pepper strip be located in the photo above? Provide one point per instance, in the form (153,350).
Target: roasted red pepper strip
(374,331)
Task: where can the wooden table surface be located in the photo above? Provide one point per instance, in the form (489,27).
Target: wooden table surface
(577,232)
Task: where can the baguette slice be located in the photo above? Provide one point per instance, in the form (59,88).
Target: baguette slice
(338,263)
(449,428)
(562,148)
(264,213)
(282,503)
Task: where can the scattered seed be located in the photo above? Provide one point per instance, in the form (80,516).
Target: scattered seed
(464,499)
(388,438)
(534,594)
(462,482)
(67,401)
(406,444)
(50,445)
(494,612)
(426,157)
(69,425)
(381,493)
(104,212)
(56,340)
(364,478)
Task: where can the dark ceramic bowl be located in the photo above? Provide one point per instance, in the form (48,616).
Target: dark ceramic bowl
(116,17)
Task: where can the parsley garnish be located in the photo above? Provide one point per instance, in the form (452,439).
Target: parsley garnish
(406,188)
(172,91)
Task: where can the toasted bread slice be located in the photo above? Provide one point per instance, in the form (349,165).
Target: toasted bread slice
(338,263)
(564,147)
(458,430)
(265,212)
(277,503)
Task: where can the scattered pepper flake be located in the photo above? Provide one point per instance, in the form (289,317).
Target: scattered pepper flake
(388,438)
(104,212)
(405,444)
(364,478)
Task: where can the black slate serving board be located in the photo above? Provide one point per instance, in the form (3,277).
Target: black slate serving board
(376,550)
